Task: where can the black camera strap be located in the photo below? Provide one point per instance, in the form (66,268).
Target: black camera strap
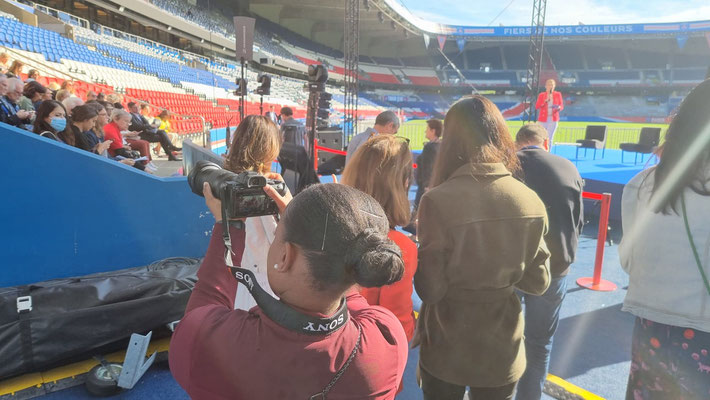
(276,310)
(284,315)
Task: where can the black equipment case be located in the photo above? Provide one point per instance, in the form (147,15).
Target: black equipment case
(56,322)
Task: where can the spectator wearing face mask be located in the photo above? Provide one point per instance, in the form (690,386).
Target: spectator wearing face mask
(51,122)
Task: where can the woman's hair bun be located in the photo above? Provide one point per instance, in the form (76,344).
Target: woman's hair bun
(375,260)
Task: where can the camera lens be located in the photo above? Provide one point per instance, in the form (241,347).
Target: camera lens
(205,171)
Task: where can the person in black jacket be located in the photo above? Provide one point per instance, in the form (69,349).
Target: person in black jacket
(149,133)
(559,185)
(10,112)
(425,161)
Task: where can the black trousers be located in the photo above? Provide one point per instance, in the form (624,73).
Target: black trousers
(158,136)
(436,389)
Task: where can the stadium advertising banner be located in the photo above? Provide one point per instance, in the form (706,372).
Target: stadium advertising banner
(579,30)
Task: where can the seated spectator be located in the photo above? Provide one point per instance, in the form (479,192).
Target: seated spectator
(10,112)
(32,75)
(100,97)
(150,134)
(165,119)
(15,69)
(4,60)
(96,134)
(114,131)
(68,86)
(70,103)
(90,96)
(51,122)
(32,96)
(381,167)
(54,86)
(145,112)
(115,99)
(62,95)
(84,118)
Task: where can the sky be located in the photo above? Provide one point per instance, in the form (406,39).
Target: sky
(559,12)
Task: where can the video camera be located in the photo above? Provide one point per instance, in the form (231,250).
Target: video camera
(242,194)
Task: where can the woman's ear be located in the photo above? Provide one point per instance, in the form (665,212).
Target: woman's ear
(288,257)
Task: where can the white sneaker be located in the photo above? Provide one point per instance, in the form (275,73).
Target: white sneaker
(151,165)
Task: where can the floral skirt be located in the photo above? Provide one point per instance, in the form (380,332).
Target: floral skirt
(668,363)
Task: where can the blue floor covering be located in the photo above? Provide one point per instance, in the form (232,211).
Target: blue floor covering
(593,341)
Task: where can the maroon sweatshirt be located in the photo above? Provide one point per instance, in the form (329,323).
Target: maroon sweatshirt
(217,352)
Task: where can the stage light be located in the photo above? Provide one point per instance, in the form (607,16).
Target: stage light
(366,4)
(170,28)
(121,9)
(381,17)
(394,25)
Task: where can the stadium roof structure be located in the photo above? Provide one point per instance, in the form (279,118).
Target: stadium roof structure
(388,29)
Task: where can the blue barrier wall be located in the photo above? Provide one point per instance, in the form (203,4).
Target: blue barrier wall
(66,212)
(218,139)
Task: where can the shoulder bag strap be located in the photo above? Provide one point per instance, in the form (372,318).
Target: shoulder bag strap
(692,244)
(324,394)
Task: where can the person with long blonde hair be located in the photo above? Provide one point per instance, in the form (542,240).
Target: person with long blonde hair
(481,238)
(382,167)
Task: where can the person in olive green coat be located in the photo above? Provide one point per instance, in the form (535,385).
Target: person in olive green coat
(481,237)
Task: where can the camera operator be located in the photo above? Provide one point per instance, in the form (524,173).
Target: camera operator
(330,238)
(255,146)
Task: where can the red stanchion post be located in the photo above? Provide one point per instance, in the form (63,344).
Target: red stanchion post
(315,155)
(596,282)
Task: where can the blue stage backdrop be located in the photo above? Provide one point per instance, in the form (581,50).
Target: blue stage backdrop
(67,212)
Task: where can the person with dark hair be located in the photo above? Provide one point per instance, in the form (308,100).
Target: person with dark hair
(164,121)
(149,133)
(32,75)
(665,212)
(83,120)
(558,184)
(10,112)
(292,130)
(481,235)
(32,96)
(330,239)
(255,146)
(425,161)
(386,123)
(51,122)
